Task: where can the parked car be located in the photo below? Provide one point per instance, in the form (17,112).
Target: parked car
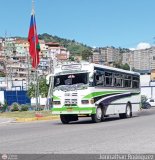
(146,105)
(151,102)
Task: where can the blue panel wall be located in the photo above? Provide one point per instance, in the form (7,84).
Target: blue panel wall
(16,96)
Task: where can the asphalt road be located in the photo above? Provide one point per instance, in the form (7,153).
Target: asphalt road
(133,135)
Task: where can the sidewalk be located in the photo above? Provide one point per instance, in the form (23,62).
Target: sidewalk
(37,119)
(26,116)
(6,120)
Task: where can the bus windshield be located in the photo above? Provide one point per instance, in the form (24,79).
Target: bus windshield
(71,81)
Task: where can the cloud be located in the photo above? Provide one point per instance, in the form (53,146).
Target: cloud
(132,49)
(141,45)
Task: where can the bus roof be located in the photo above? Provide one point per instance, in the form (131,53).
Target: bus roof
(86,66)
(115,69)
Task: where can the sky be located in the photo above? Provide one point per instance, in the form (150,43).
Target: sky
(97,23)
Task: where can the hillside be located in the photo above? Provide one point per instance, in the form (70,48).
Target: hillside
(74,47)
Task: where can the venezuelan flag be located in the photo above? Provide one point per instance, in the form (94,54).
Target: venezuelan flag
(34,47)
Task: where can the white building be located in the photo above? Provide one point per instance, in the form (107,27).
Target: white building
(143,59)
(147,86)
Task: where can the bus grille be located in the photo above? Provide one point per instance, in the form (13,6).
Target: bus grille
(70,101)
(74,94)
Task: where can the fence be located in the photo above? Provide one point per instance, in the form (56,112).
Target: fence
(16,96)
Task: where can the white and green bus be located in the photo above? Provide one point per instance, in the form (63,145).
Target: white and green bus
(94,90)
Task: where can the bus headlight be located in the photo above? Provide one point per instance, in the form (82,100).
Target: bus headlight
(92,101)
(56,102)
(85,101)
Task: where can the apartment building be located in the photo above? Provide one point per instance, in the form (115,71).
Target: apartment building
(143,59)
(57,51)
(96,57)
(152,58)
(1,41)
(63,55)
(13,58)
(107,55)
(15,61)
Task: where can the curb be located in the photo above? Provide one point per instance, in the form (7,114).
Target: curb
(37,119)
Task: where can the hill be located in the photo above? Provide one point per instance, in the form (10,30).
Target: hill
(74,47)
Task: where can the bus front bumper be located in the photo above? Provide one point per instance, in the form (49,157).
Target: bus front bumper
(74,110)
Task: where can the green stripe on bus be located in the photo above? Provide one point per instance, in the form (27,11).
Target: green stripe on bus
(56,98)
(97,94)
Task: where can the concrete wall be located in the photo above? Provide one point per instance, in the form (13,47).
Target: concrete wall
(145,80)
(147,87)
(42,101)
(2,97)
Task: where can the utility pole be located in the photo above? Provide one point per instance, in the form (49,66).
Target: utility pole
(5,61)
(8,51)
(51,80)
(36,57)
(28,70)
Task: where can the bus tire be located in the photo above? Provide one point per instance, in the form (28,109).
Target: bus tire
(97,117)
(103,114)
(128,112)
(64,119)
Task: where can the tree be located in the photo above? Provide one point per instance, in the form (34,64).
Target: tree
(31,90)
(71,58)
(2,74)
(86,54)
(125,66)
(122,66)
(43,88)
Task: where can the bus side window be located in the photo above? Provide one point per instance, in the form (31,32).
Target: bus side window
(99,78)
(108,79)
(135,82)
(127,81)
(118,80)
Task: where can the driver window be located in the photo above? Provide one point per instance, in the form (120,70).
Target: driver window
(57,81)
(68,81)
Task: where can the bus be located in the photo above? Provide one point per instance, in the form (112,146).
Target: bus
(94,90)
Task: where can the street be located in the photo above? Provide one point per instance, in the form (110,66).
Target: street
(133,135)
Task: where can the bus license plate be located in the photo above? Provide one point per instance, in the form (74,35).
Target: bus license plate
(69,109)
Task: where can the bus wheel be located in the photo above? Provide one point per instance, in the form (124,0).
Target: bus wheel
(64,119)
(98,116)
(128,112)
(103,115)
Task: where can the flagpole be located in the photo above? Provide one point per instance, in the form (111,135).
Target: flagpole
(36,72)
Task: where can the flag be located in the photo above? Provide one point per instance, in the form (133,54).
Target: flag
(34,47)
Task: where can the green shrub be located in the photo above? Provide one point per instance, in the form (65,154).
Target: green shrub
(24,108)
(15,107)
(143,98)
(3,107)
